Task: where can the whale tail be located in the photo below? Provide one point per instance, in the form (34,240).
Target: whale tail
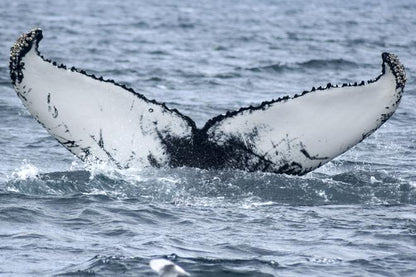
(99,119)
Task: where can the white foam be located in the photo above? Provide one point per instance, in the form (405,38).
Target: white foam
(258,204)
(323,194)
(26,171)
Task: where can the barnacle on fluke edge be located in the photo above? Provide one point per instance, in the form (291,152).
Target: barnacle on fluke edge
(101,119)
(396,67)
(19,50)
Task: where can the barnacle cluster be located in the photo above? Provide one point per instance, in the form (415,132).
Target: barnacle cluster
(17,52)
(397,69)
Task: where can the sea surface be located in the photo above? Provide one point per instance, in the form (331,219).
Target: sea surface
(355,216)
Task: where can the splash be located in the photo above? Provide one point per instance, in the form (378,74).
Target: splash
(213,188)
(25,172)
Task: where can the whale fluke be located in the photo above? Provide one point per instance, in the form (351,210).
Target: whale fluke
(99,119)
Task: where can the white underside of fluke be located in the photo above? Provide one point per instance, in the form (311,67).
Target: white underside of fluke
(102,120)
(314,128)
(96,118)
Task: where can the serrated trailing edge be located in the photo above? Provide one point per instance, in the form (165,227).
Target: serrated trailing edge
(32,38)
(390,59)
(25,42)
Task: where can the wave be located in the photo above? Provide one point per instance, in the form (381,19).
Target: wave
(105,265)
(332,64)
(196,187)
(115,265)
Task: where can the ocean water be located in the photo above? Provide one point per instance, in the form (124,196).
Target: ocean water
(355,216)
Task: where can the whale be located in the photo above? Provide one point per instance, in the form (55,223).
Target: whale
(98,119)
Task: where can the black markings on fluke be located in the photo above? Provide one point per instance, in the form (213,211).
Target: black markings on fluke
(200,150)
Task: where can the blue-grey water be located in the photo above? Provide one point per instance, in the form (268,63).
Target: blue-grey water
(356,216)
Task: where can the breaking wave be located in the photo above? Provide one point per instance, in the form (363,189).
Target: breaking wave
(190,186)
